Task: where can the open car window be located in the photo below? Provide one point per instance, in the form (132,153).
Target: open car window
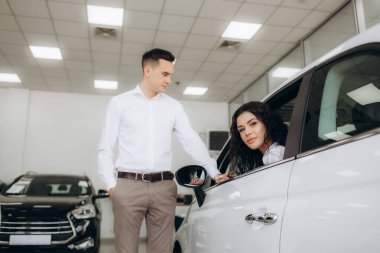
(283,103)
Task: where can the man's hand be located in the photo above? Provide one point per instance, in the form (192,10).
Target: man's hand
(110,190)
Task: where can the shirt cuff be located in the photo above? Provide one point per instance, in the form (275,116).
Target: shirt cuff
(212,172)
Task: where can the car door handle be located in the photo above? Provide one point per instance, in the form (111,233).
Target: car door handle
(266,218)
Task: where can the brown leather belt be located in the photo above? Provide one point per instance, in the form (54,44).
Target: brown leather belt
(147,177)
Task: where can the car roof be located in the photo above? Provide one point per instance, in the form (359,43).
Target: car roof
(369,36)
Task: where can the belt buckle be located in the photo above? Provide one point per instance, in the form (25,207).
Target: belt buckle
(143,178)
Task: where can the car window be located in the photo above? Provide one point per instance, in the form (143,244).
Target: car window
(49,186)
(283,103)
(344,100)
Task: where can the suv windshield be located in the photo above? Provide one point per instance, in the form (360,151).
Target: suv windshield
(49,186)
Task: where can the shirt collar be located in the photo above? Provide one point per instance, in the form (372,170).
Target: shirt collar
(138,90)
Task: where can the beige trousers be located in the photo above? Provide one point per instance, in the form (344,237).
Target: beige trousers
(133,201)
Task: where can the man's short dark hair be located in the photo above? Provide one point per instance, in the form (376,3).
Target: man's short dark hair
(156,54)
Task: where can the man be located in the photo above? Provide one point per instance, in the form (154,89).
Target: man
(141,122)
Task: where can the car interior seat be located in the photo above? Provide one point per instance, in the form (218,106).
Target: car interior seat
(39,190)
(75,190)
(366,117)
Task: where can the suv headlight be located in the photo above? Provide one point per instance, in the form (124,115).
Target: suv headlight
(84,212)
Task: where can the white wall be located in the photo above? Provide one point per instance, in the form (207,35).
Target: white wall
(49,132)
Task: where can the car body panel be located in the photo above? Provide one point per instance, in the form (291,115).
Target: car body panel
(227,205)
(333,200)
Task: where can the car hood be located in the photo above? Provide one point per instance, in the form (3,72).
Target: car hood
(32,205)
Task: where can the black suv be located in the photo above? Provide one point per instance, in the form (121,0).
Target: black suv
(50,212)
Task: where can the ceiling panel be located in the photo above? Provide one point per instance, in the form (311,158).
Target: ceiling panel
(10,37)
(287,16)
(138,35)
(192,30)
(171,23)
(139,19)
(69,28)
(255,13)
(194,54)
(216,9)
(8,23)
(19,50)
(209,27)
(67,11)
(145,5)
(30,8)
(37,39)
(201,42)
(170,38)
(4,7)
(183,7)
(74,43)
(309,5)
(315,17)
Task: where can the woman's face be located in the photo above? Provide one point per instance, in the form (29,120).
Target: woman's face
(252,131)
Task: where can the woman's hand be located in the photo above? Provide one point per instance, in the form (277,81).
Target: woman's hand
(196,181)
(221,178)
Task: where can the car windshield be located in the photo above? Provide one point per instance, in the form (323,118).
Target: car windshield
(49,186)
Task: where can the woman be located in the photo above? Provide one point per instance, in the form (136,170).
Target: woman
(258,137)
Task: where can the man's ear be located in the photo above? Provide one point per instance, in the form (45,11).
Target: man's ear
(147,70)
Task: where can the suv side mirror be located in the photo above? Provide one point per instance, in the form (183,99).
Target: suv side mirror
(2,186)
(185,175)
(102,194)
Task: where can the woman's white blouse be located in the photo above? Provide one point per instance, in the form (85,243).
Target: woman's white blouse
(274,153)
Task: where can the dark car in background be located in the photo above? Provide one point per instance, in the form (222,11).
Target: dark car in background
(50,213)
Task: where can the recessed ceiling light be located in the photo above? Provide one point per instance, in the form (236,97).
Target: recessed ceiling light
(10,78)
(366,94)
(53,53)
(103,84)
(283,72)
(105,15)
(241,30)
(197,91)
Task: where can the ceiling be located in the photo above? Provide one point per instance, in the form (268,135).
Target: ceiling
(191,29)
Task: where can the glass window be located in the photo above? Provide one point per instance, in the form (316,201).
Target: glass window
(285,69)
(344,100)
(338,29)
(283,103)
(49,186)
(371,12)
(257,91)
(235,104)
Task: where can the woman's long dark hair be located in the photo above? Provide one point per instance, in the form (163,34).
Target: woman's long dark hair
(244,159)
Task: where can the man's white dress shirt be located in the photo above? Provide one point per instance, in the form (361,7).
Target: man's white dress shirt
(142,128)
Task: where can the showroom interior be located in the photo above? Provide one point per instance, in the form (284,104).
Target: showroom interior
(52,111)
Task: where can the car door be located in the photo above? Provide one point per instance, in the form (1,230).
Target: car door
(220,225)
(334,189)
(224,222)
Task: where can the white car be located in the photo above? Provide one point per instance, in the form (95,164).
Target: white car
(325,195)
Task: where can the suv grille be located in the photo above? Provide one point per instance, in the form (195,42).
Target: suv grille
(60,229)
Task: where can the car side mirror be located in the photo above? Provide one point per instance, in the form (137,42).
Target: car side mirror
(2,186)
(102,194)
(185,175)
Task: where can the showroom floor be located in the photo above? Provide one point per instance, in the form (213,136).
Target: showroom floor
(107,246)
